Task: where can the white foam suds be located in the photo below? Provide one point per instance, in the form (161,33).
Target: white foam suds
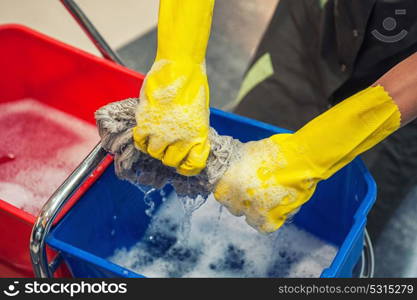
(244,192)
(222,245)
(47,144)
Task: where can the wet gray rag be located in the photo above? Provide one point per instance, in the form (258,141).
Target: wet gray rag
(115,122)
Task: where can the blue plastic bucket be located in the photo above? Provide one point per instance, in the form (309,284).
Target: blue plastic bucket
(90,232)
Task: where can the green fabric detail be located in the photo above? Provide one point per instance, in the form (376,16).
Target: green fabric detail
(261,70)
(323,3)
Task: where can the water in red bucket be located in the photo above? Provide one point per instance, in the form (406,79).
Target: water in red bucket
(40,147)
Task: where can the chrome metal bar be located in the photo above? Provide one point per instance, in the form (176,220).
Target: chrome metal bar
(54,264)
(370,256)
(367,258)
(54,205)
(56,202)
(91,31)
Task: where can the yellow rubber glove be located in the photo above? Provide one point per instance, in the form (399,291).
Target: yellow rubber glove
(173,114)
(273,177)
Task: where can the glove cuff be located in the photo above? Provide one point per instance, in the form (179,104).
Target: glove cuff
(336,137)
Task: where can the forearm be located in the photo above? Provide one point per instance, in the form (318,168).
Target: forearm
(401,83)
(184,29)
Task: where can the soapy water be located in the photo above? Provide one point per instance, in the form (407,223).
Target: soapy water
(221,245)
(188,204)
(147,198)
(40,146)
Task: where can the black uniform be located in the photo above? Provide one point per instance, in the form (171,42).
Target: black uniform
(322,52)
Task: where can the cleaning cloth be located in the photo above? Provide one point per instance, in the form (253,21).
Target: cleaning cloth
(115,123)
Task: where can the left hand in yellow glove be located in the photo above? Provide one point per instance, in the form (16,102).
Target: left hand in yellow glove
(173,114)
(273,177)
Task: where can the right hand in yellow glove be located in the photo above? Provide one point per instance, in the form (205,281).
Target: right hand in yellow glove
(173,114)
(272,178)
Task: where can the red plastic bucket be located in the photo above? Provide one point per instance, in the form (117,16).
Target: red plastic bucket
(65,79)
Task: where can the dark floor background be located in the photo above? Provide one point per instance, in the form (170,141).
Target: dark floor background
(237,28)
